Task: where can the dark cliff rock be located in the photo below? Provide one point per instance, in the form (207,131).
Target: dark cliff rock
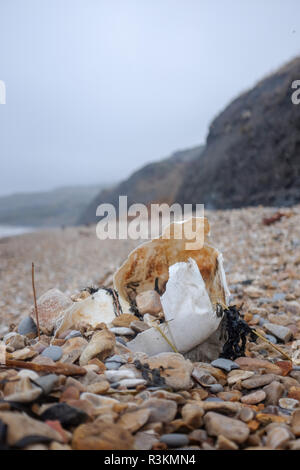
(252,154)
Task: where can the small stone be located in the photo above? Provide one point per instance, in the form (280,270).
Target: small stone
(98,401)
(122,331)
(27,326)
(294,392)
(67,415)
(225,364)
(233,395)
(16,342)
(102,436)
(47,382)
(285,366)
(116,358)
(28,373)
(230,428)
(51,306)
(20,426)
(213,399)
(73,334)
(192,415)
(144,440)
(216,388)
(174,440)
(288,403)
(116,375)
(224,407)
(246,414)
(45,361)
(197,436)
(101,345)
(134,420)
(294,445)
(237,375)
(252,363)
(98,387)
(70,393)
(58,446)
(72,349)
(278,438)
(254,397)
(281,332)
(271,338)
(131,383)
(53,352)
(139,326)
(296,423)
(225,444)
(121,340)
(257,381)
(278,296)
(218,374)
(203,377)
(293,307)
(23,354)
(148,302)
(161,410)
(273,391)
(112,365)
(21,391)
(174,369)
(125,319)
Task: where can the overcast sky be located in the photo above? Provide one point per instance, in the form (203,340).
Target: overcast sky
(97,88)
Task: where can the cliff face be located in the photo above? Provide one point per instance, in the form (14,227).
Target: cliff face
(157,182)
(252,154)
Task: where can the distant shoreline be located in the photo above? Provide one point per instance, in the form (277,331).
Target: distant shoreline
(10,230)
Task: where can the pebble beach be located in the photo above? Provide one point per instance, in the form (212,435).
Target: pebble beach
(89,391)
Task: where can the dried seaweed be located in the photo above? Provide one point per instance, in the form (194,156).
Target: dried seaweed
(236,333)
(92,290)
(152,376)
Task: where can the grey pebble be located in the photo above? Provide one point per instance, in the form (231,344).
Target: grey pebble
(278,296)
(27,326)
(121,340)
(271,338)
(73,334)
(174,440)
(47,382)
(262,321)
(225,364)
(53,352)
(112,365)
(116,358)
(216,388)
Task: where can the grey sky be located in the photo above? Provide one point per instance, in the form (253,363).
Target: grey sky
(97,88)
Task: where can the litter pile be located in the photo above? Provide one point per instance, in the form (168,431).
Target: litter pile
(158,361)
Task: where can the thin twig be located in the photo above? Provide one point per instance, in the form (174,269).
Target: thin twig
(116,302)
(35,304)
(272,345)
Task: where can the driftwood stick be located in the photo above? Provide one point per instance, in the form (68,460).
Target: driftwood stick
(35,303)
(58,368)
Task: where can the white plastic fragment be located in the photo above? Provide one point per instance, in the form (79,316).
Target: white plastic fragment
(189,314)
